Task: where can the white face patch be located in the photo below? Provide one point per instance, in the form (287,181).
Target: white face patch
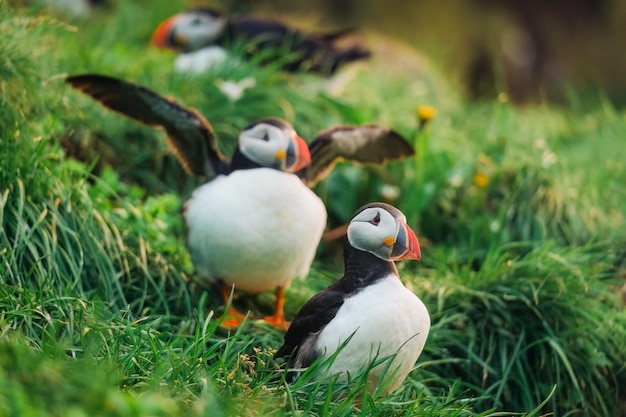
(198,29)
(263,143)
(370,231)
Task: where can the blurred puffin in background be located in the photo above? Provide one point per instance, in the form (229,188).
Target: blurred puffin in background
(369,312)
(75,7)
(255,224)
(200,34)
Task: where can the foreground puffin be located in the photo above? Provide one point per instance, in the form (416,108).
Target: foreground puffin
(255,224)
(201,33)
(369,308)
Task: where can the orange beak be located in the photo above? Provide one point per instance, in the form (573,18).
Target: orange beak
(406,245)
(161,36)
(298,155)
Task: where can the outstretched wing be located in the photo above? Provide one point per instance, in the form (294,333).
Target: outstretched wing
(369,143)
(190,136)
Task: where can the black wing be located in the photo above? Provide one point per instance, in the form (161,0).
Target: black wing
(335,35)
(369,143)
(190,136)
(312,317)
(273,32)
(264,32)
(306,51)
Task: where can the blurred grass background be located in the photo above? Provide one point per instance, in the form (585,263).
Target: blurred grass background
(520,211)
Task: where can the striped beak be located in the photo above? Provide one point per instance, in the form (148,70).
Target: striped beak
(298,155)
(406,245)
(162,35)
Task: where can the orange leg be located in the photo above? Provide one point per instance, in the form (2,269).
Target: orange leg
(232,318)
(278,319)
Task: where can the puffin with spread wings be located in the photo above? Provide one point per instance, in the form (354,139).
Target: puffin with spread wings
(255,224)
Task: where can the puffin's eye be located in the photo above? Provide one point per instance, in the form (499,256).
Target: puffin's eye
(266,137)
(376,220)
(196,21)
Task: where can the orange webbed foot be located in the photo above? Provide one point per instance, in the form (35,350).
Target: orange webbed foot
(232,319)
(277,321)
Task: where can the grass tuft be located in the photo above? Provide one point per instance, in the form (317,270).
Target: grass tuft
(525,323)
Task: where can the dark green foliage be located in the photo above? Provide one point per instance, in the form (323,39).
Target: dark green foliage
(525,323)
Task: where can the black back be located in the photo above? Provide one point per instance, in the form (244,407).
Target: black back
(315,53)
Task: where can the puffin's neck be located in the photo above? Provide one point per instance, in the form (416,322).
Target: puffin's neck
(240,161)
(364,268)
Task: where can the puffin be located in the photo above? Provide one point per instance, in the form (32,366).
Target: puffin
(200,35)
(368,312)
(255,224)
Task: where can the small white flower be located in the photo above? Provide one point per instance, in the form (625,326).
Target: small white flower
(234,90)
(548,159)
(390,192)
(456,179)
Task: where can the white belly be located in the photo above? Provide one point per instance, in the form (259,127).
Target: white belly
(256,229)
(198,62)
(384,319)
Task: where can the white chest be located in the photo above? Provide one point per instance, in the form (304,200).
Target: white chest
(200,61)
(383,320)
(256,229)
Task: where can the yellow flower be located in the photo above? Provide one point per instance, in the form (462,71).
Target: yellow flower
(481,180)
(426,113)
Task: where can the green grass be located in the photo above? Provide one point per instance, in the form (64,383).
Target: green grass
(99,313)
